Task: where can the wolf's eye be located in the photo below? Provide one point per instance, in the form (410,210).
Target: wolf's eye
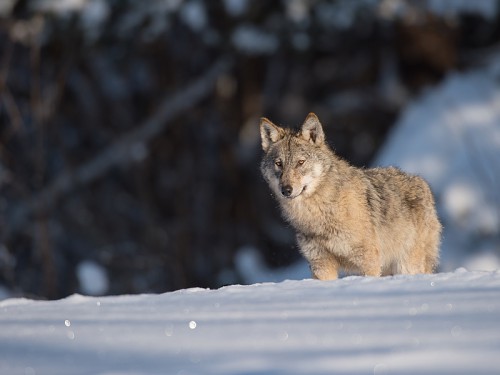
(301,161)
(278,163)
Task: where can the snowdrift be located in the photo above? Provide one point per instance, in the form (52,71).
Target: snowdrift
(425,324)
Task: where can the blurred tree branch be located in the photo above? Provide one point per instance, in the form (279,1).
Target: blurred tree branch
(124,150)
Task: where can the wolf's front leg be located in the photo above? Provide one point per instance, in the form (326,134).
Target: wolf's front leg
(324,269)
(323,264)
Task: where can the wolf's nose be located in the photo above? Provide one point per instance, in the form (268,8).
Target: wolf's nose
(286,190)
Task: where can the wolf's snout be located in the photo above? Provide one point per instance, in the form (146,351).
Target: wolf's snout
(286,190)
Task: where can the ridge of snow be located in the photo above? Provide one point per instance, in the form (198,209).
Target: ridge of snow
(422,324)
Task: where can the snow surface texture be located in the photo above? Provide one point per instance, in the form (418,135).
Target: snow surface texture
(425,324)
(451,137)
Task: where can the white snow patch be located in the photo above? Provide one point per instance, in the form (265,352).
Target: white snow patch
(422,324)
(460,200)
(485,260)
(93,278)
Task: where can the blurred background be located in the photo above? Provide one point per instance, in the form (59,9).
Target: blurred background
(129,140)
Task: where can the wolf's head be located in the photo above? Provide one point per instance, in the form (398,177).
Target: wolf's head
(294,163)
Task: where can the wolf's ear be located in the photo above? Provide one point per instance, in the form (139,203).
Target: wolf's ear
(269,133)
(312,130)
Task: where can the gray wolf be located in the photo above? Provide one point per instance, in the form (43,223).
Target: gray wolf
(376,222)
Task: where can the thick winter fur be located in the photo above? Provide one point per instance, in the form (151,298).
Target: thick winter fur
(378,221)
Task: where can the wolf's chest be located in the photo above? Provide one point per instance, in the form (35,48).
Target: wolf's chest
(311,218)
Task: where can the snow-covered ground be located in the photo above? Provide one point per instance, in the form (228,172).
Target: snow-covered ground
(425,324)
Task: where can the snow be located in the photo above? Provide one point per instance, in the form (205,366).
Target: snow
(424,324)
(451,137)
(92,277)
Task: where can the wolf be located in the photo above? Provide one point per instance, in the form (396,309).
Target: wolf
(374,222)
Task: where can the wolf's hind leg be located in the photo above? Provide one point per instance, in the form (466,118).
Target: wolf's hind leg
(423,257)
(431,248)
(416,260)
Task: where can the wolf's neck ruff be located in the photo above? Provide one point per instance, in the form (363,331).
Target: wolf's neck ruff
(375,221)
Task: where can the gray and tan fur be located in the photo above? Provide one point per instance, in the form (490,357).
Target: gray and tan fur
(378,221)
